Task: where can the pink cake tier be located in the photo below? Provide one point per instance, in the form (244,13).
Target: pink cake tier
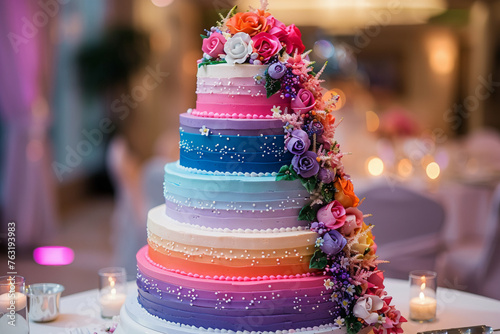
(228,91)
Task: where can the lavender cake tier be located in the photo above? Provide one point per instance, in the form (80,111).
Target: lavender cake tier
(233,202)
(253,305)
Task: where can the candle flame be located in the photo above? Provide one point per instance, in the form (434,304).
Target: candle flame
(423,280)
(113,291)
(421,296)
(111,281)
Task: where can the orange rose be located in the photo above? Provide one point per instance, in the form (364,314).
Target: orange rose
(249,22)
(345,193)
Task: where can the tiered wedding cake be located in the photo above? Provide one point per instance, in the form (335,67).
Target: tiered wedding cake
(260,230)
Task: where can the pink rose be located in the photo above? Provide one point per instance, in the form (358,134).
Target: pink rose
(353,223)
(332,215)
(266,45)
(278,28)
(214,45)
(293,40)
(303,102)
(272,22)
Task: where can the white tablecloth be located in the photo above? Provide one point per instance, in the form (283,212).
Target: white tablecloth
(455,309)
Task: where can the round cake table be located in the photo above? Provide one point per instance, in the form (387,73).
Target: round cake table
(455,309)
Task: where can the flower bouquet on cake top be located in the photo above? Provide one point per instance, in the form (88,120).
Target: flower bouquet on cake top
(345,246)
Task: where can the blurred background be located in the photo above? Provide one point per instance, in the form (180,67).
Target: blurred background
(91,92)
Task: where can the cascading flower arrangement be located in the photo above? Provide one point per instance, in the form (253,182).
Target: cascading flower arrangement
(345,247)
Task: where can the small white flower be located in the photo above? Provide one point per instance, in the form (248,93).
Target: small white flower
(335,297)
(276,111)
(328,284)
(257,62)
(381,319)
(206,56)
(350,289)
(190,110)
(344,262)
(258,79)
(204,131)
(339,321)
(319,242)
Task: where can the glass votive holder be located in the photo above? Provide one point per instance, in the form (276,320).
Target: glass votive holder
(423,301)
(13,305)
(112,290)
(44,301)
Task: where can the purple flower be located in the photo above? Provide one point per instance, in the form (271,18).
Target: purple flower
(326,175)
(298,142)
(276,70)
(333,242)
(315,127)
(306,165)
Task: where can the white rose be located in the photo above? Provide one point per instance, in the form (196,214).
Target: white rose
(238,48)
(366,308)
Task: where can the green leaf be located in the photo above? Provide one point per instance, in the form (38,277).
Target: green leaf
(286,173)
(308,213)
(318,260)
(211,62)
(272,85)
(352,324)
(328,192)
(203,36)
(309,183)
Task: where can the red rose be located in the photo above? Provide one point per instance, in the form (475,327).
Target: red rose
(214,45)
(266,45)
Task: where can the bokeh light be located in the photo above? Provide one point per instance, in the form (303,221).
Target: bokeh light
(324,49)
(375,166)
(372,121)
(405,168)
(433,170)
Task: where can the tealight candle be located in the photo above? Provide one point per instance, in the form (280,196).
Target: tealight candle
(12,301)
(423,303)
(112,290)
(111,304)
(13,310)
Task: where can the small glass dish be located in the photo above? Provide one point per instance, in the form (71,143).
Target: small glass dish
(44,301)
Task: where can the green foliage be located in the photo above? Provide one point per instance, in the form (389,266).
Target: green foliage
(353,325)
(328,192)
(319,260)
(203,36)
(308,213)
(206,62)
(272,85)
(286,173)
(309,183)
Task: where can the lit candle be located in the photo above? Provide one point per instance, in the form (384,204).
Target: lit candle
(111,302)
(423,308)
(12,301)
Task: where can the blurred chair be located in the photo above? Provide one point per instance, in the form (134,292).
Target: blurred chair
(139,187)
(407,228)
(474,266)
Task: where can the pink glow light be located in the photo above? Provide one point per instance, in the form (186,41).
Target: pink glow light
(53,255)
